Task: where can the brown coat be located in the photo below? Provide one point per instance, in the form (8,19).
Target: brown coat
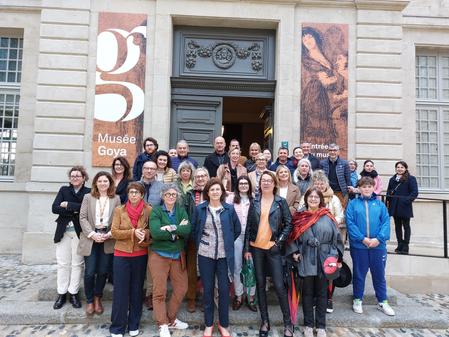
(224,174)
(293,197)
(123,231)
(87,222)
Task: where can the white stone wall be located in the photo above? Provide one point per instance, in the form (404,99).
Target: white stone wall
(58,84)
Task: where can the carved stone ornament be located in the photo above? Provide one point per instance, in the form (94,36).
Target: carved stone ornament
(224,54)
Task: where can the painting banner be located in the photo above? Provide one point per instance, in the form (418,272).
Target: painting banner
(120,85)
(324,86)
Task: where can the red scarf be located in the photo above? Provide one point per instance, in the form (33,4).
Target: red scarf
(134,212)
(302,221)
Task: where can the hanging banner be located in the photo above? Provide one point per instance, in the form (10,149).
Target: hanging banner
(120,85)
(324,87)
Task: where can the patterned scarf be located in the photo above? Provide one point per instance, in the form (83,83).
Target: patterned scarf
(302,221)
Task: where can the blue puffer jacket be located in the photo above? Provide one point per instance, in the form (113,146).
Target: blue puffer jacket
(378,225)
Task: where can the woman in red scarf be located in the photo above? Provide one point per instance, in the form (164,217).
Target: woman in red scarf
(130,229)
(314,238)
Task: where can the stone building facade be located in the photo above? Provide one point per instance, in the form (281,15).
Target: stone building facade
(395,49)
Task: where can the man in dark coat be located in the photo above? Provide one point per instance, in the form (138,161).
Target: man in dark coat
(338,172)
(150,147)
(216,158)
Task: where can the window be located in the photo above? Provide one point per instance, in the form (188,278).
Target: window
(432,120)
(11,49)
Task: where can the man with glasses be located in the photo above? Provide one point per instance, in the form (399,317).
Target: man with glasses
(152,186)
(150,147)
(338,172)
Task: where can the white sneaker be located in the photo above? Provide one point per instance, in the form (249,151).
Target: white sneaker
(178,325)
(116,335)
(163,331)
(308,331)
(321,333)
(133,333)
(357,306)
(386,309)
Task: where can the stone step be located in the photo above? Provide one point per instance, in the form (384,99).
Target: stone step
(341,295)
(409,314)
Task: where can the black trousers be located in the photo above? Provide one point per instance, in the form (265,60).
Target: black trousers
(403,238)
(270,261)
(314,287)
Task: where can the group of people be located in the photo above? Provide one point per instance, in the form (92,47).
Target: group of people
(170,220)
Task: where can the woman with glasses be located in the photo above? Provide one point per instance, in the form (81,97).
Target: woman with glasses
(130,230)
(315,237)
(191,200)
(242,200)
(267,229)
(67,205)
(170,227)
(96,243)
(121,173)
(215,228)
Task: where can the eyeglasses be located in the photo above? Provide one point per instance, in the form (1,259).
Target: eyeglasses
(263,181)
(200,176)
(75,177)
(243,183)
(171,195)
(261,159)
(313,197)
(149,144)
(134,192)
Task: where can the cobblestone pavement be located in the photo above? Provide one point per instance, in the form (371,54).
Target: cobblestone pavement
(17,280)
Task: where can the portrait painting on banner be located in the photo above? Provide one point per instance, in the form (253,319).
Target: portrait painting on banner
(324,86)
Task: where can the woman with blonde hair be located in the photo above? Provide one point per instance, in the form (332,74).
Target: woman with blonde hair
(254,150)
(96,243)
(287,190)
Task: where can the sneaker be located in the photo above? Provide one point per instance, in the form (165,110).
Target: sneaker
(178,325)
(321,333)
(133,333)
(116,335)
(308,331)
(386,309)
(163,331)
(357,306)
(330,307)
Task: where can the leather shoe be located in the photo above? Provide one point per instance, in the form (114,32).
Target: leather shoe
(75,300)
(191,306)
(98,306)
(90,309)
(237,303)
(60,301)
(251,304)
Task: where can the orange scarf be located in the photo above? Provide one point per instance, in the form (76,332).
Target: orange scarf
(302,221)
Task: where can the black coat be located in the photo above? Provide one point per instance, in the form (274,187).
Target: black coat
(400,196)
(121,190)
(71,213)
(213,161)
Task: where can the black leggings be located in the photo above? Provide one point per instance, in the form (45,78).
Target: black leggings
(270,261)
(400,223)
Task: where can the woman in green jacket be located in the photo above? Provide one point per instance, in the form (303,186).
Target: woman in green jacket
(169,227)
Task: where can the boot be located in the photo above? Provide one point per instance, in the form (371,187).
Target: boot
(98,305)
(60,301)
(90,309)
(75,300)
(399,247)
(404,249)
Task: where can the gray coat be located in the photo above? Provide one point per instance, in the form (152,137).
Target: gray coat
(314,252)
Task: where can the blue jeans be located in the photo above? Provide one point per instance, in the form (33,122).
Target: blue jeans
(374,260)
(129,276)
(96,270)
(209,268)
